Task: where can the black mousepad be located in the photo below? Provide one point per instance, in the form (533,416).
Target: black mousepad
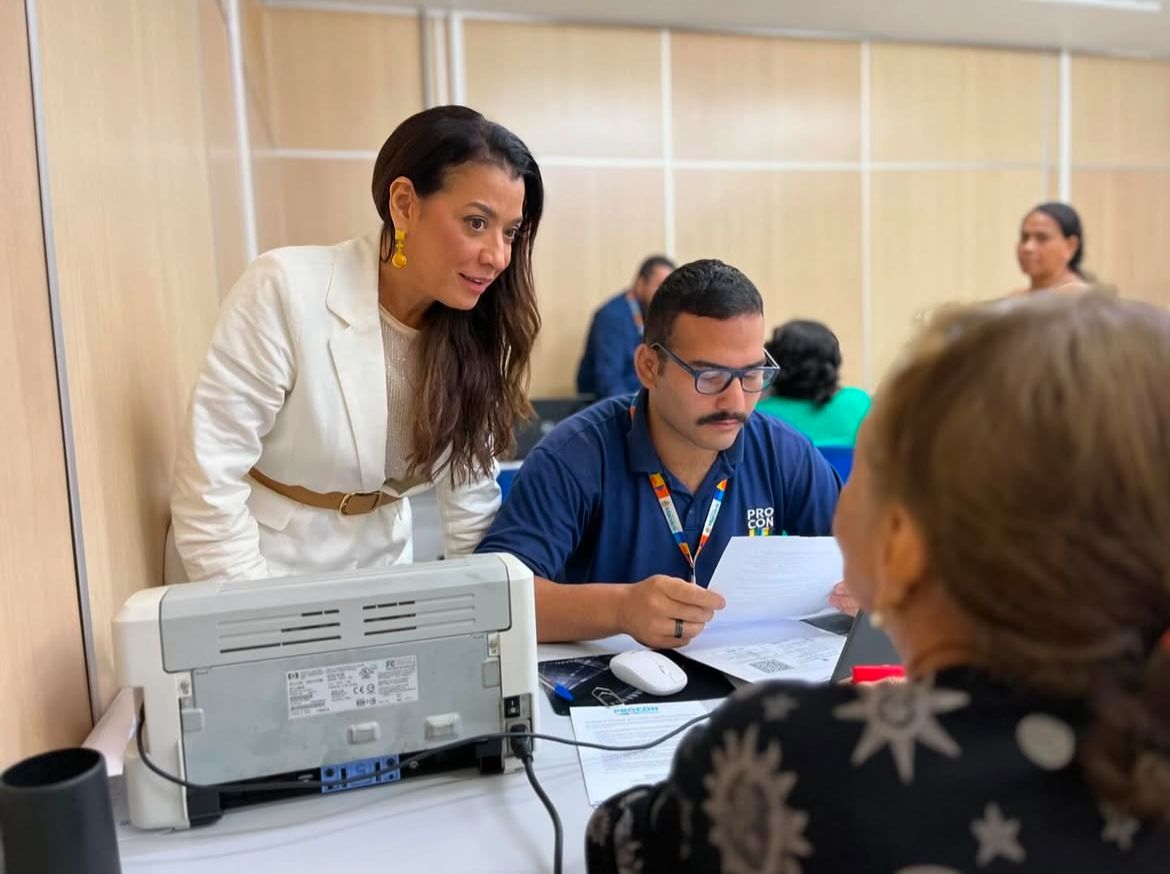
(592,684)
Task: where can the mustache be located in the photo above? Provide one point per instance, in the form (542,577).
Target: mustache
(722,417)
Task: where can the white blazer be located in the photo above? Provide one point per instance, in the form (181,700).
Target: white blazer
(295,385)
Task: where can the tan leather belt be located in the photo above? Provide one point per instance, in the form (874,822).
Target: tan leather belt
(345,503)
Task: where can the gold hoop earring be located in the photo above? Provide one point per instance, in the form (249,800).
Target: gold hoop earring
(877,619)
(398,259)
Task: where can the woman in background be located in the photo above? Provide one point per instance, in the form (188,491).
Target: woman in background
(1051,248)
(807,392)
(342,379)
(1018,555)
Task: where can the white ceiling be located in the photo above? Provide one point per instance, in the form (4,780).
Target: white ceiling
(1026,23)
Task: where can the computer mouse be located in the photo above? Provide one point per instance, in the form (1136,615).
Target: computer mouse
(649,671)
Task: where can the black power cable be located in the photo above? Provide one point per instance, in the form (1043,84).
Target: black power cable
(522,749)
(520,743)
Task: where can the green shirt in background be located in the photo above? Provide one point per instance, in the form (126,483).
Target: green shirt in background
(834,423)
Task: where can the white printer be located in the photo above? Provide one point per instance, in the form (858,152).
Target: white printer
(330,678)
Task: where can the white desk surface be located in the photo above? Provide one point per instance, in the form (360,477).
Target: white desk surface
(458,822)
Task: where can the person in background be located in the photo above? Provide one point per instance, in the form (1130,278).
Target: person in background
(607,367)
(1028,592)
(1051,248)
(807,393)
(342,379)
(623,511)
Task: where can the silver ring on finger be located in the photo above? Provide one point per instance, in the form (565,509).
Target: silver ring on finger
(678,629)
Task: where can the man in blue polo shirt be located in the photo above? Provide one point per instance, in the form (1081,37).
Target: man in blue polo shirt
(607,367)
(647,490)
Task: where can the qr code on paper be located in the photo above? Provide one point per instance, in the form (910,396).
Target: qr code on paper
(770,666)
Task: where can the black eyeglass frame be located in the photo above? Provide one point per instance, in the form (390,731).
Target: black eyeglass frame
(768,372)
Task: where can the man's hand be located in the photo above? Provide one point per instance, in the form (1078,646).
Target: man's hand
(840,599)
(650,609)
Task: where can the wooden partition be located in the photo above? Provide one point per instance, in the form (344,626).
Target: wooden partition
(759,126)
(859,184)
(43,680)
(327,88)
(1120,176)
(962,148)
(223,155)
(588,102)
(131,210)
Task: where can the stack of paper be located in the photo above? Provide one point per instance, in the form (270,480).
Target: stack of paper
(770,583)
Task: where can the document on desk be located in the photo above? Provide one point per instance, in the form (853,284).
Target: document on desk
(607,773)
(769,583)
(779,649)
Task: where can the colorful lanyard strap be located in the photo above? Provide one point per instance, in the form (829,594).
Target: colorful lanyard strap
(635,311)
(675,525)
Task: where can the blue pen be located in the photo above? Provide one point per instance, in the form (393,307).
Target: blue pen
(558,689)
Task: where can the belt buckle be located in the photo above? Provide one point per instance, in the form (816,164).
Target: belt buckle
(348,496)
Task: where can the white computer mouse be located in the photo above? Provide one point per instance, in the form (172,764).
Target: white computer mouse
(649,671)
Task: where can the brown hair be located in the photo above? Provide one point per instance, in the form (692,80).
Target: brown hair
(1029,438)
(474,363)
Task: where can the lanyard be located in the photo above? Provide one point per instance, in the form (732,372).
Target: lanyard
(635,311)
(658,483)
(672,520)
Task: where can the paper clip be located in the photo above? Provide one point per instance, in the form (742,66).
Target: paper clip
(607,697)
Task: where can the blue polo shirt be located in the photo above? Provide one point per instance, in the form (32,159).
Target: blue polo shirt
(582,508)
(607,367)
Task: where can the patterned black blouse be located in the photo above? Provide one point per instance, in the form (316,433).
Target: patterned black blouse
(952,774)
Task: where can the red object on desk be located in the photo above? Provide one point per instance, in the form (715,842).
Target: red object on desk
(873,673)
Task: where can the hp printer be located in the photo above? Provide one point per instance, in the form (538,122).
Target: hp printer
(329,679)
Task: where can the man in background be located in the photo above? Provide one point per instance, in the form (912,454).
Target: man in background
(607,367)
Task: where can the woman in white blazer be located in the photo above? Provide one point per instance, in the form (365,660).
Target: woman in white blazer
(342,379)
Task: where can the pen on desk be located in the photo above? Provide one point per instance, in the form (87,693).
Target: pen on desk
(558,689)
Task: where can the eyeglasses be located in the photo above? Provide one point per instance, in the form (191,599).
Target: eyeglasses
(715,380)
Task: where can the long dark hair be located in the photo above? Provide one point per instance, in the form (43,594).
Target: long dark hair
(1070,226)
(475,363)
(809,356)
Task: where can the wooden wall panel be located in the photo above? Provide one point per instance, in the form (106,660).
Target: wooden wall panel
(340,80)
(134,254)
(797,236)
(1120,111)
(940,237)
(936,103)
(312,202)
(765,99)
(223,154)
(43,682)
(564,90)
(598,225)
(1126,216)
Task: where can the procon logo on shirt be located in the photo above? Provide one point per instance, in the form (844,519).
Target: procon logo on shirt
(760,521)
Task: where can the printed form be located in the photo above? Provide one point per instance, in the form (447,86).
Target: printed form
(770,583)
(607,773)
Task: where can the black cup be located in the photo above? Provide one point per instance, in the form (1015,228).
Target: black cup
(56,816)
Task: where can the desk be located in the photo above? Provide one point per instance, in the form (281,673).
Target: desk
(446,824)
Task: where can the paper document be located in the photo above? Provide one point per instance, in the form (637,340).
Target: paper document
(782,649)
(607,773)
(769,583)
(776,577)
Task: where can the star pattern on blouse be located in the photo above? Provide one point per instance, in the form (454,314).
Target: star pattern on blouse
(998,837)
(627,851)
(902,715)
(752,825)
(778,706)
(1120,826)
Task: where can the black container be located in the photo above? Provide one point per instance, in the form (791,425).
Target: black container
(56,816)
